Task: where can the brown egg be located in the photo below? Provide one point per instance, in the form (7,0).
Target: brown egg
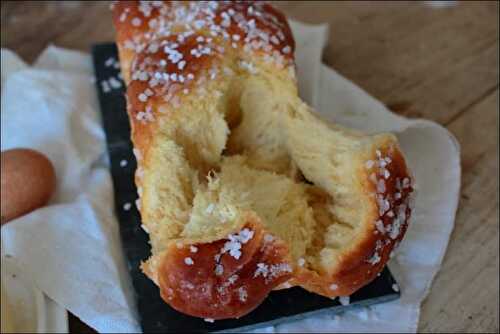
(27,182)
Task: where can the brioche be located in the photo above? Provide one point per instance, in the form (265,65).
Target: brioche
(243,188)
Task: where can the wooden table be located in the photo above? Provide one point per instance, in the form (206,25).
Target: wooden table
(421,61)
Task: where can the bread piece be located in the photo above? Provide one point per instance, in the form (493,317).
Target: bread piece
(221,279)
(243,188)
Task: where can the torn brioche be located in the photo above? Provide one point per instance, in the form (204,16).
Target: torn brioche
(243,188)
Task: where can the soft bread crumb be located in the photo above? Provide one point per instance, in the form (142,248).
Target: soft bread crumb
(220,134)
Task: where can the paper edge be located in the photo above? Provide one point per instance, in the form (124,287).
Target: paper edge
(53,58)
(10,63)
(423,123)
(321,31)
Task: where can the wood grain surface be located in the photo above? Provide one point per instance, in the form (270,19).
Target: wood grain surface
(439,63)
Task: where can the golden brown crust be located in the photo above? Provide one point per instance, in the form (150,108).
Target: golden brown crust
(207,280)
(256,26)
(168,48)
(389,184)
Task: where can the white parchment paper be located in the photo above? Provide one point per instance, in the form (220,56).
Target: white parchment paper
(72,247)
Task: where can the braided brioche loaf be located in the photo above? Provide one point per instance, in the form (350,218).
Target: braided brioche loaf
(243,188)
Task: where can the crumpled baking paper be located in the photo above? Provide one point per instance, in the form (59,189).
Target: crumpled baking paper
(72,248)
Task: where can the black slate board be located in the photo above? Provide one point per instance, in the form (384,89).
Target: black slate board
(156,315)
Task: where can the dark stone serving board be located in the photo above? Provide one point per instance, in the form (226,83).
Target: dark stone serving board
(156,315)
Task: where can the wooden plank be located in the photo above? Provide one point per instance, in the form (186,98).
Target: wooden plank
(419,60)
(27,27)
(464,297)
